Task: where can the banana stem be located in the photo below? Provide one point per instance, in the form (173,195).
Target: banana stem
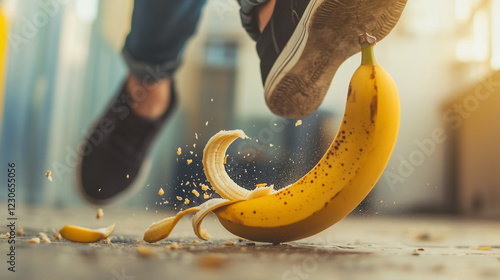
(367,42)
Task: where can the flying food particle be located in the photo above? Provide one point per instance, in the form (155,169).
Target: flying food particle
(298,122)
(195,192)
(179,150)
(189,161)
(49,175)
(161,192)
(99,214)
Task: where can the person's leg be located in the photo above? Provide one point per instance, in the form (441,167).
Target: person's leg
(159,32)
(113,155)
(255,14)
(152,51)
(263,13)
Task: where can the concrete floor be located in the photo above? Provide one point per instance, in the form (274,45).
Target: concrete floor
(356,248)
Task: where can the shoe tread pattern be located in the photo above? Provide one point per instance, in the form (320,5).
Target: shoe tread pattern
(332,38)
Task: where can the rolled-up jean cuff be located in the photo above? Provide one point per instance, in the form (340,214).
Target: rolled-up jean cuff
(150,72)
(248,18)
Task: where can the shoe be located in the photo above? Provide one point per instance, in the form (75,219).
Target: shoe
(111,164)
(306,41)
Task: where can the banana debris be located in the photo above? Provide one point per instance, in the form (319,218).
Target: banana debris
(99,214)
(85,235)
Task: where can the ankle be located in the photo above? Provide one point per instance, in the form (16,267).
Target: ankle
(149,100)
(264,13)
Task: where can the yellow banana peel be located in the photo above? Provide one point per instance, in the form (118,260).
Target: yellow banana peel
(85,235)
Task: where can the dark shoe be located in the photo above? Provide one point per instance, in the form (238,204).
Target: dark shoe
(112,162)
(306,41)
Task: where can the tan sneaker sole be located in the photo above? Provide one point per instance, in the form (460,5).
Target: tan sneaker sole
(325,37)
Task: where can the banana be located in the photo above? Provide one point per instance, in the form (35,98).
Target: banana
(85,235)
(333,188)
(162,229)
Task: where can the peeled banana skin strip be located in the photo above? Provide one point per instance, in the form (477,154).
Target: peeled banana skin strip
(85,235)
(205,209)
(162,229)
(213,161)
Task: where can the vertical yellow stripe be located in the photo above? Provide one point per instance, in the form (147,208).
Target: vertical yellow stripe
(3,54)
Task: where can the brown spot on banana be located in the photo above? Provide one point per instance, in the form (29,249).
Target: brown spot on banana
(351,94)
(373,108)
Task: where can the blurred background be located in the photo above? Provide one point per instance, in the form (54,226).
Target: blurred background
(63,65)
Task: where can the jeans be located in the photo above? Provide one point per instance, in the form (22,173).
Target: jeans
(160,29)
